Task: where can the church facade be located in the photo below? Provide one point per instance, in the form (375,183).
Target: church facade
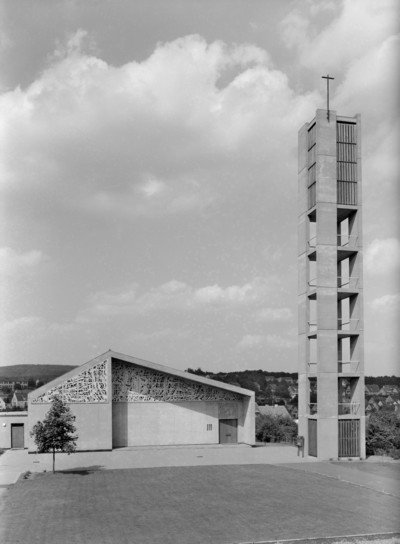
(121,401)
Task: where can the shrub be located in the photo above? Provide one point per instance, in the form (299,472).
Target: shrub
(383,434)
(275,429)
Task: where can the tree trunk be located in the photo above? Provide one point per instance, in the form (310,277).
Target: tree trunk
(54,459)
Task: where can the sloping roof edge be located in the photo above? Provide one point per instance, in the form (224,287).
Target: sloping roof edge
(110,354)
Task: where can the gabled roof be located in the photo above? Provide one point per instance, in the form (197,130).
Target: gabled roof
(389,388)
(113,355)
(21,395)
(372,388)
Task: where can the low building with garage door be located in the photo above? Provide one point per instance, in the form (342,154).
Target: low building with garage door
(121,401)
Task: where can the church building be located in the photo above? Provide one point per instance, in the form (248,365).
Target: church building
(121,401)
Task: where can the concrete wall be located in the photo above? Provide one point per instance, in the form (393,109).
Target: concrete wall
(163,423)
(247,422)
(6,420)
(93,424)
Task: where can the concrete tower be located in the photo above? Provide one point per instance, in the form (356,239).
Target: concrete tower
(331,358)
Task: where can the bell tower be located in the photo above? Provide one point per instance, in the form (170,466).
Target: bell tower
(330,287)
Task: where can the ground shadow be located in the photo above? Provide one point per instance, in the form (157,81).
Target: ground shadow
(82,471)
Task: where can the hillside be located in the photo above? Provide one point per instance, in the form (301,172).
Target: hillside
(37,372)
(275,387)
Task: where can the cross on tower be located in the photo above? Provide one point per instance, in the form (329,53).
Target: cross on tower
(327,93)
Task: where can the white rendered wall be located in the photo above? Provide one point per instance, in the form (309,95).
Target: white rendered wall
(162,423)
(6,419)
(93,424)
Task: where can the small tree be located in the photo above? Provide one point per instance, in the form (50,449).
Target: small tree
(54,433)
(383,434)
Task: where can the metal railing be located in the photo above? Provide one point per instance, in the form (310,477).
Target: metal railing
(348,408)
(343,282)
(312,282)
(347,241)
(347,324)
(312,242)
(342,364)
(312,326)
(347,282)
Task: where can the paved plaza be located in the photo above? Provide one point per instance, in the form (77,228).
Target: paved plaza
(203,495)
(15,462)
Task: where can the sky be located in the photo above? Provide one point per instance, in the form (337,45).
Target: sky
(149,175)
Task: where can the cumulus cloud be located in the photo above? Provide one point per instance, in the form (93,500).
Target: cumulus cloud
(382,257)
(196,146)
(16,263)
(234,294)
(339,42)
(280,341)
(274,314)
(387,304)
(138,137)
(273,341)
(22,338)
(171,296)
(250,341)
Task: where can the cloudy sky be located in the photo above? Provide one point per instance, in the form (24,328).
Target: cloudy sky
(149,175)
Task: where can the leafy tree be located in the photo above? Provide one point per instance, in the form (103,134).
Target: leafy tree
(383,434)
(275,428)
(198,371)
(54,433)
(282,390)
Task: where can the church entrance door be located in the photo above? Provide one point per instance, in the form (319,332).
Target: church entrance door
(228,431)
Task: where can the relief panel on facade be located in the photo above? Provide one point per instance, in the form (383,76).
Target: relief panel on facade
(137,384)
(87,386)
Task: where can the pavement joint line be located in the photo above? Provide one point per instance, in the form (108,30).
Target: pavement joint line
(316,538)
(344,481)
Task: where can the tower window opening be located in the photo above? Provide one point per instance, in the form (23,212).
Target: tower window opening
(348,401)
(312,354)
(346,146)
(312,396)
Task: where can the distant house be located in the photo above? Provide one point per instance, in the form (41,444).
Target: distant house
(3,402)
(375,403)
(7,383)
(369,408)
(388,390)
(276,411)
(372,389)
(20,399)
